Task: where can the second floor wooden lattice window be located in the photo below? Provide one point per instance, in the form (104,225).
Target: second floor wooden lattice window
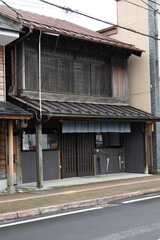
(69,76)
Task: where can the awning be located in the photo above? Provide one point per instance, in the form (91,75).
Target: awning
(77,110)
(95,126)
(11,111)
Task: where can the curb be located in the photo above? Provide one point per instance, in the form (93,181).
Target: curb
(72,205)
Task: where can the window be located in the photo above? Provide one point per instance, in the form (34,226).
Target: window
(82,78)
(101,80)
(99,140)
(31,71)
(49,74)
(105,140)
(68,74)
(49,141)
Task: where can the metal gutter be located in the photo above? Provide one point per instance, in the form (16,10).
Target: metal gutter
(103,117)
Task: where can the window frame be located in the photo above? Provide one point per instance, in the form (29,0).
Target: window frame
(44,133)
(103,146)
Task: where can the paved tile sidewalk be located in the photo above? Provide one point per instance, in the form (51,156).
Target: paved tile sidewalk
(57,199)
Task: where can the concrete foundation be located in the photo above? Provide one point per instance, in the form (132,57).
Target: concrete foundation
(79,181)
(3,185)
(10,190)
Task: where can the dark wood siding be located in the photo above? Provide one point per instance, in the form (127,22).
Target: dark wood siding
(65,76)
(134,149)
(85,154)
(31,63)
(119,77)
(50,166)
(19,65)
(82,78)
(49,74)
(72,69)
(68,155)
(77,154)
(2,149)
(66,72)
(28,167)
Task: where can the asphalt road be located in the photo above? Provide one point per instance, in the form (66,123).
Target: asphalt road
(130,220)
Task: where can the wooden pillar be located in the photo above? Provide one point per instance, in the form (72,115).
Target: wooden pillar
(148,147)
(11,188)
(19,160)
(146,154)
(94,164)
(39,157)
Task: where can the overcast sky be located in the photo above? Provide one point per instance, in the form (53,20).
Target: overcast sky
(102,9)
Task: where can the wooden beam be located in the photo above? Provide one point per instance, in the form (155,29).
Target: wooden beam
(14,117)
(39,156)
(11,188)
(149,127)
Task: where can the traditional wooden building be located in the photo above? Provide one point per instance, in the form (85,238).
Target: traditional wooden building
(10,115)
(74,81)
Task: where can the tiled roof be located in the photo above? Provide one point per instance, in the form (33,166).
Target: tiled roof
(63,27)
(9,109)
(90,110)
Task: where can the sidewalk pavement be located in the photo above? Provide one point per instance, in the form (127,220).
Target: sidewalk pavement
(31,203)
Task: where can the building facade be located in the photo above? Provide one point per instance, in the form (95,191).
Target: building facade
(75,83)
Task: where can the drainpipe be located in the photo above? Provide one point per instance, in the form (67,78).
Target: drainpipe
(15,57)
(15,69)
(39,76)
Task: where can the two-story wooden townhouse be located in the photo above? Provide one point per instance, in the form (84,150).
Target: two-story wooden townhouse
(75,83)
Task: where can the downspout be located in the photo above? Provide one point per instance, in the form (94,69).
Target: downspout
(39,76)
(39,154)
(15,70)
(15,58)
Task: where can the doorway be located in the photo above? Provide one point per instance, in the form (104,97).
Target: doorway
(77,154)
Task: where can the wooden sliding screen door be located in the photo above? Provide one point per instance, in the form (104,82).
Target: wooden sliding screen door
(77,154)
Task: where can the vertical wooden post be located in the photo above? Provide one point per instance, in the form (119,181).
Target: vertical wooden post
(151,160)
(148,147)
(11,188)
(19,160)
(59,152)
(146,154)
(39,157)
(94,164)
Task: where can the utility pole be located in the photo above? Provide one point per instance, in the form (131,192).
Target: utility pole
(39,153)
(155,91)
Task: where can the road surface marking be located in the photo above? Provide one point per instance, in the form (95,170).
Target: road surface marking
(141,199)
(48,217)
(131,233)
